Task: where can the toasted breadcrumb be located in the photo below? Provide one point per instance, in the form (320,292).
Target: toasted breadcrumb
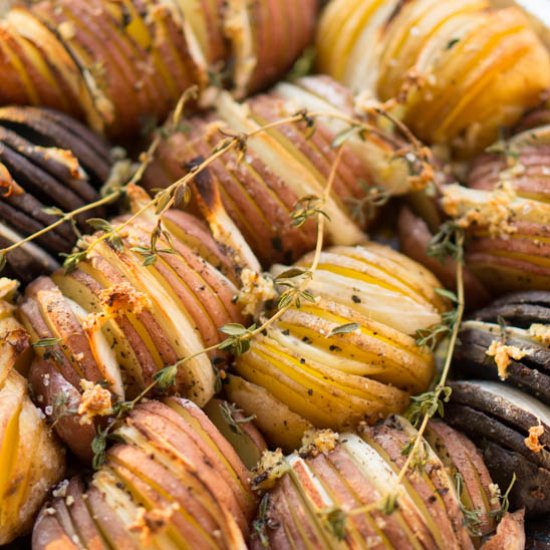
(315,442)
(61,489)
(119,299)
(541,333)
(503,356)
(149,523)
(532,440)
(271,467)
(496,215)
(256,290)
(95,401)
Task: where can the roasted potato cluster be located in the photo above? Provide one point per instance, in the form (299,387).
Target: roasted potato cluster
(228,359)
(458,71)
(120,64)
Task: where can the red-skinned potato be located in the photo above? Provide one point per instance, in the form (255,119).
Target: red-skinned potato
(414,239)
(506,246)
(260,190)
(334,492)
(171,481)
(105,328)
(87,60)
(31,459)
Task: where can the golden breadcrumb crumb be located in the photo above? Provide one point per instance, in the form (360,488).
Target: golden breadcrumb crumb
(532,441)
(270,468)
(119,299)
(149,523)
(315,442)
(503,356)
(541,333)
(95,401)
(255,291)
(496,215)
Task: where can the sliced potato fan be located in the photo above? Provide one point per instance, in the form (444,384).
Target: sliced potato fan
(350,353)
(455,72)
(87,60)
(31,459)
(105,329)
(342,491)
(172,481)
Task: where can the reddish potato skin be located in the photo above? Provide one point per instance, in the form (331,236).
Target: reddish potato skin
(510,533)
(48,385)
(104,60)
(414,238)
(153,468)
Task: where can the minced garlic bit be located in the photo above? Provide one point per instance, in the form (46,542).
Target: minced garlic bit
(61,489)
(7,288)
(255,291)
(315,442)
(95,401)
(149,523)
(532,441)
(496,214)
(495,494)
(541,333)
(503,356)
(271,467)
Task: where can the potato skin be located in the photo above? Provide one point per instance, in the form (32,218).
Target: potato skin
(353,474)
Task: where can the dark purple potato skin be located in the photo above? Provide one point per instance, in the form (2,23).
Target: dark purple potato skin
(499,428)
(32,142)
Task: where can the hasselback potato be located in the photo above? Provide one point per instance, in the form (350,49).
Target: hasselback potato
(341,491)
(114,321)
(172,481)
(508,343)
(347,355)
(120,64)
(459,71)
(49,164)
(292,161)
(31,459)
(509,248)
